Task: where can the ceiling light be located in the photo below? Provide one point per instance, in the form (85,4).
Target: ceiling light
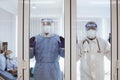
(100,2)
(44,2)
(34,6)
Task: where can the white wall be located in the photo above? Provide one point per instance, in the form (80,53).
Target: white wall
(8,29)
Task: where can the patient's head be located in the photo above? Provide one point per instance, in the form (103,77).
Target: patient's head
(9,54)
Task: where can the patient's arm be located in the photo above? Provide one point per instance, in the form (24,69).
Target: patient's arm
(13,71)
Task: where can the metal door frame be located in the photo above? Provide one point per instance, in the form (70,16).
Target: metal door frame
(70,38)
(20,40)
(26,38)
(114,41)
(118,39)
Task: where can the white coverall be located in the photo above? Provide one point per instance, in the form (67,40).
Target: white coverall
(92,54)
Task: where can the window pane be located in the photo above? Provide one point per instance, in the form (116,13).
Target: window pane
(47,39)
(8,39)
(93,34)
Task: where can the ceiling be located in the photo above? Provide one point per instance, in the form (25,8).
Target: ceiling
(9,5)
(93,8)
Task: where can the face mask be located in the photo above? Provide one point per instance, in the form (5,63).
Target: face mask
(47,29)
(9,56)
(91,34)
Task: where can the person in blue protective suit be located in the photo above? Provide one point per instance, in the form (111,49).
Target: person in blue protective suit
(3,66)
(2,60)
(47,48)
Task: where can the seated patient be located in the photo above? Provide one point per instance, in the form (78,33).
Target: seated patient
(3,65)
(12,64)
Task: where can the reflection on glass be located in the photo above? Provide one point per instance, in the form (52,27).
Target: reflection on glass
(93,28)
(8,40)
(46,40)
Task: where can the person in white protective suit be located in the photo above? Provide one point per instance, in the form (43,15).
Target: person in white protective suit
(92,51)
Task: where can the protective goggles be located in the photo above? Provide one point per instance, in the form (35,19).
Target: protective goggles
(89,26)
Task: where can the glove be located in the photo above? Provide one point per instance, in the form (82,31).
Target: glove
(32,42)
(62,44)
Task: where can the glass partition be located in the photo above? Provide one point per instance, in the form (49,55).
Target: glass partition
(47,40)
(8,39)
(93,40)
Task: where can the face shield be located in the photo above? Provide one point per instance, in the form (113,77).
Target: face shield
(47,27)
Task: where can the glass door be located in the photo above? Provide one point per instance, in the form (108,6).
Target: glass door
(47,39)
(94,40)
(9,40)
(64,40)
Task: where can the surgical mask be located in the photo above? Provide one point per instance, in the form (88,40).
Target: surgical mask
(47,29)
(91,34)
(9,56)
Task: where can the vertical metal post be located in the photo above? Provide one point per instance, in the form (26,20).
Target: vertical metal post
(73,39)
(118,39)
(26,38)
(20,39)
(67,38)
(114,43)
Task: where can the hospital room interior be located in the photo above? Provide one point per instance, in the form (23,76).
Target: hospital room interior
(98,11)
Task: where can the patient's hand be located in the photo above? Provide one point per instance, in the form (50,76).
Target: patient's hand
(13,71)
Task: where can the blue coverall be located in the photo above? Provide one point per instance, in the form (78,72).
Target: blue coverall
(47,51)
